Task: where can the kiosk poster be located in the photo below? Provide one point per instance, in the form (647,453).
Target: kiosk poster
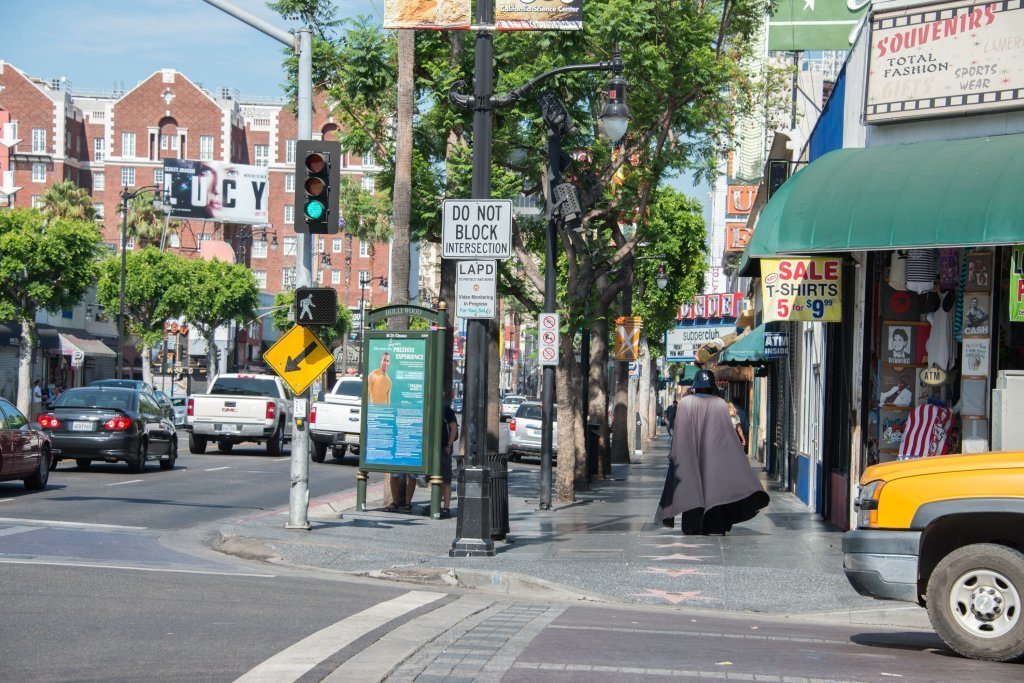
(395,402)
(1017,285)
(808,289)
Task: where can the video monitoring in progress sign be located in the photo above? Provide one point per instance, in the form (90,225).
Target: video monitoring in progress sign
(477,229)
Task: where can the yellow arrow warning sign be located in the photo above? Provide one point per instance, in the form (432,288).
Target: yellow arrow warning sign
(298,358)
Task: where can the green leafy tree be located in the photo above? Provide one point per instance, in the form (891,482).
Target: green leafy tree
(151,295)
(67,200)
(216,293)
(43,266)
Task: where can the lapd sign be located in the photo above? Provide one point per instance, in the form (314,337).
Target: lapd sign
(476,229)
(476,291)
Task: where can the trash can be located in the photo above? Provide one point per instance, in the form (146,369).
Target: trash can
(593,446)
(497,463)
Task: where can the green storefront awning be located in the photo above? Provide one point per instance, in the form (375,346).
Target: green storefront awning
(746,350)
(927,194)
(689,372)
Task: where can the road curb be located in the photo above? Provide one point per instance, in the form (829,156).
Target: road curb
(331,507)
(496,582)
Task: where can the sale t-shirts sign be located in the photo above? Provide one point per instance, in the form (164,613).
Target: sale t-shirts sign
(808,289)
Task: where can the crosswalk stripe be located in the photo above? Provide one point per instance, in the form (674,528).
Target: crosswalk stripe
(10,531)
(377,661)
(295,661)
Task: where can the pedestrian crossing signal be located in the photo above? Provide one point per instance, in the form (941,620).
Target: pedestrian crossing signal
(316,306)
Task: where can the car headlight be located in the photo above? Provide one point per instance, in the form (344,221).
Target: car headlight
(867,504)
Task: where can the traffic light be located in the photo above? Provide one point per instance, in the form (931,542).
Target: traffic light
(318,188)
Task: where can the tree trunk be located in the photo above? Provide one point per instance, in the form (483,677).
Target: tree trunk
(25,345)
(632,412)
(572,460)
(652,402)
(493,397)
(147,367)
(401,196)
(599,393)
(447,294)
(212,366)
(621,446)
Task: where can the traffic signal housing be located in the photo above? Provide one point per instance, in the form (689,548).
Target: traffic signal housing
(317,169)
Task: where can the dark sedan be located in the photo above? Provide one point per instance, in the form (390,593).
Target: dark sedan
(24,451)
(110,424)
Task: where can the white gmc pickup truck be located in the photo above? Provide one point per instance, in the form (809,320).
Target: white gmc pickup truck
(334,422)
(240,408)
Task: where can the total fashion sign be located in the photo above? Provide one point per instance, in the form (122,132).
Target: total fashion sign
(711,306)
(945,59)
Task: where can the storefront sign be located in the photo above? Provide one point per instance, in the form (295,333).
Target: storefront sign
(933,376)
(802,289)
(427,14)
(681,343)
(798,25)
(217,191)
(945,59)
(395,402)
(711,306)
(539,15)
(1017,284)
(776,344)
(737,235)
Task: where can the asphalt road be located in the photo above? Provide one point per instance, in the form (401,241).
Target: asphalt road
(108,576)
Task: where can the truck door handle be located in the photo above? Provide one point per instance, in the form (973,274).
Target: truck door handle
(229,404)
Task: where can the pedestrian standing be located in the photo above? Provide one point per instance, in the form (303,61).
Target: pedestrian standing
(449,435)
(670,417)
(37,401)
(709,481)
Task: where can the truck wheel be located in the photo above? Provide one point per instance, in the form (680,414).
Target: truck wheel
(224,446)
(275,444)
(319,452)
(975,601)
(196,444)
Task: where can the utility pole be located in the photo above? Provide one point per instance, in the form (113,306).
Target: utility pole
(302,43)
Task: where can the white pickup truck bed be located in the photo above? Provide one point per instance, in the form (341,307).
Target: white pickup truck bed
(334,423)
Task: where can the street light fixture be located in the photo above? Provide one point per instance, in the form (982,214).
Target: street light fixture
(160,204)
(662,277)
(615,117)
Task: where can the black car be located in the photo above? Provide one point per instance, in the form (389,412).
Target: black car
(161,398)
(110,424)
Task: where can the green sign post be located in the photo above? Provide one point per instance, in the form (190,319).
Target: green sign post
(402,393)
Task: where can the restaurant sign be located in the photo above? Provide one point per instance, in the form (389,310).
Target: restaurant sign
(945,59)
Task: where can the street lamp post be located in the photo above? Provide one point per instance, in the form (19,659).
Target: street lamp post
(160,205)
(473,535)
(364,282)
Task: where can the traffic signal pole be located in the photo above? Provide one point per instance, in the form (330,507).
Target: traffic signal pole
(302,43)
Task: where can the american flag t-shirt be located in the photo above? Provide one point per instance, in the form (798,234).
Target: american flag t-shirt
(926,432)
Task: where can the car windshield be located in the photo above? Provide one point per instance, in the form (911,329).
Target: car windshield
(244,386)
(532,411)
(178,401)
(513,400)
(96,397)
(348,388)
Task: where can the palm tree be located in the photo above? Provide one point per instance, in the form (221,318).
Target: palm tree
(401,197)
(67,200)
(144,220)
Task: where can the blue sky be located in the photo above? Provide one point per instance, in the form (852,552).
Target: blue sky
(96,43)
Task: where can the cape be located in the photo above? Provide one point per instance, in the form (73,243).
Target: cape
(709,480)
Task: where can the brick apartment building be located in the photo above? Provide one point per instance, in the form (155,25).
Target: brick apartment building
(106,141)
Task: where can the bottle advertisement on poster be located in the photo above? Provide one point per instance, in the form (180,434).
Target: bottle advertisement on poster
(395,402)
(807,289)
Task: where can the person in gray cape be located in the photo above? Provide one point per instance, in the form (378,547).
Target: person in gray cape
(709,480)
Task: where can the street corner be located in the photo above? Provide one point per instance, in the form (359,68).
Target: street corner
(244,548)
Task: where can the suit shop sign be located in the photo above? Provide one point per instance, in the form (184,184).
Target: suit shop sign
(217,191)
(807,289)
(945,59)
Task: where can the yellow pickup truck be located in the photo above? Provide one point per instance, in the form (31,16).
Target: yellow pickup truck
(947,533)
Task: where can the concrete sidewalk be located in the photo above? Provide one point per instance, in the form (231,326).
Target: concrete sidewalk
(604,547)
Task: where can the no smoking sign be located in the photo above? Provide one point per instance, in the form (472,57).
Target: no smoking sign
(548,346)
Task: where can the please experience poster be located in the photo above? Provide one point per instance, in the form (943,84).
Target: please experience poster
(395,402)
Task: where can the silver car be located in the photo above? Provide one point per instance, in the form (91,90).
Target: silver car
(509,405)
(524,431)
(180,405)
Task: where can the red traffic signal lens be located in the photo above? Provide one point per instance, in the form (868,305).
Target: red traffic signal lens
(315,186)
(315,163)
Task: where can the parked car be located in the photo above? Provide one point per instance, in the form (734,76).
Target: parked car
(457,404)
(524,431)
(161,398)
(180,406)
(509,406)
(335,422)
(947,533)
(24,451)
(240,407)
(111,424)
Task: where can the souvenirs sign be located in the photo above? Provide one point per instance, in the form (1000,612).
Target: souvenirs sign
(802,289)
(945,59)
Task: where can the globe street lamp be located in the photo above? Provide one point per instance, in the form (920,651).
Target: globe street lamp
(160,204)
